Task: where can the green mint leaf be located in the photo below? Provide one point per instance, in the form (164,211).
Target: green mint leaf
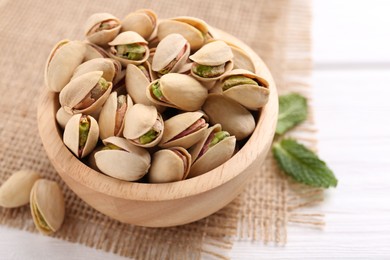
(302,164)
(292,111)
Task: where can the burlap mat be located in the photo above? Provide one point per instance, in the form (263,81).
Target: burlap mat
(279,31)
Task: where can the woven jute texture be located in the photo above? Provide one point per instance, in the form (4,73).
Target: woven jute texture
(279,31)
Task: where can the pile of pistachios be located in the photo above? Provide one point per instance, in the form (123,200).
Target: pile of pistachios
(154,100)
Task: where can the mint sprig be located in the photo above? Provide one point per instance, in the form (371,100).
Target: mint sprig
(292,111)
(302,164)
(293,158)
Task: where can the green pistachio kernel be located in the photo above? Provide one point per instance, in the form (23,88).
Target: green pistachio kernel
(208,71)
(237,80)
(40,219)
(148,137)
(99,89)
(133,51)
(157,91)
(218,137)
(83,130)
(111,147)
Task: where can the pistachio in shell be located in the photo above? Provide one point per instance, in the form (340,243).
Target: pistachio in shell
(86,93)
(93,51)
(193,29)
(142,21)
(178,91)
(62,117)
(108,66)
(169,165)
(171,54)
(61,63)
(102,28)
(15,191)
(81,134)
(214,149)
(138,77)
(112,115)
(233,117)
(212,61)
(184,130)
(122,160)
(144,126)
(47,206)
(129,48)
(245,87)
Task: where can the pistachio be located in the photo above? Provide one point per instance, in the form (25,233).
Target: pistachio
(170,165)
(142,21)
(214,149)
(47,206)
(15,191)
(133,51)
(122,160)
(143,126)
(81,134)
(102,28)
(248,89)
(205,71)
(62,117)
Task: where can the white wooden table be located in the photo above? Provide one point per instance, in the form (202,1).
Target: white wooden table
(352,104)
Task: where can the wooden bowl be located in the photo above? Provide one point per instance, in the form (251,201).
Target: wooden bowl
(169,204)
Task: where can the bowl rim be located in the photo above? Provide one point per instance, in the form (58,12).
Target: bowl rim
(259,141)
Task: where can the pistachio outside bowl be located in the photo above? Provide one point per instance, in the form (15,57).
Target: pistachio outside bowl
(168,204)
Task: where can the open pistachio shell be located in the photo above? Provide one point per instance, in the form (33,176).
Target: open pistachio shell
(127,38)
(72,135)
(193,29)
(99,64)
(15,191)
(141,120)
(213,54)
(79,88)
(179,125)
(47,206)
(214,156)
(170,165)
(233,117)
(178,91)
(61,63)
(251,96)
(137,81)
(128,162)
(62,117)
(111,119)
(142,21)
(96,33)
(93,51)
(171,54)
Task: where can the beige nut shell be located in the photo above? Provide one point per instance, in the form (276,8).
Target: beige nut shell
(103,37)
(71,135)
(177,124)
(233,117)
(62,117)
(181,91)
(214,156)
(167,50)
(213,54)
(76,90)
(93,51)
(128,38)
(107,116)
(61,63)
(138,121)
(98,64)
(142,21)
(167,166)
(15,191)
(250,96)
(47,202)
(130,163)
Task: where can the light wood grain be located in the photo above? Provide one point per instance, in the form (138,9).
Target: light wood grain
(168,204)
